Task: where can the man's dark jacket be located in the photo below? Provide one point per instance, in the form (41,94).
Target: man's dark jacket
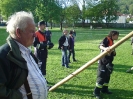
(13,70)
(61,41)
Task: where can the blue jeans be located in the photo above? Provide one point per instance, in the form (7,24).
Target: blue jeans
(64,57)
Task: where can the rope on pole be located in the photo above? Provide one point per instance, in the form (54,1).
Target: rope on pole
(91,62)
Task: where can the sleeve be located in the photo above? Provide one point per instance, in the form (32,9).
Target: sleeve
(5,92)
(104,42)
(60,42)
(36,41)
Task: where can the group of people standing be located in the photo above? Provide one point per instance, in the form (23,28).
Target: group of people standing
(67,43)
(22,73)
(20,77)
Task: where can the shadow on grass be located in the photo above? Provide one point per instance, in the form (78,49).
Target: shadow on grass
(117,67)
(87,91)
(121,68)
(72,89)
(118,94)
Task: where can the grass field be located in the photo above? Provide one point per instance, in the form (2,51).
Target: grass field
(86,48)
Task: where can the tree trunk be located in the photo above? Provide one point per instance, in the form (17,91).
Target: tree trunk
(61,26)
(51,24)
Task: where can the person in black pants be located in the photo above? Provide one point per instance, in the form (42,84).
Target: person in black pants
(40,47)
(105,66)
(71,47)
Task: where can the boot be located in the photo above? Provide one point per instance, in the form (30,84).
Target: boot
(105,90)
(96,92)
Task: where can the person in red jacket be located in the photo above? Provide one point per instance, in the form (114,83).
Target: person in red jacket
(105,66)
(40,47)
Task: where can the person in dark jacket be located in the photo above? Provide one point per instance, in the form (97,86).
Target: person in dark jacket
(63,46)
(71,47)
(20,76)
(48,34)
(105,66)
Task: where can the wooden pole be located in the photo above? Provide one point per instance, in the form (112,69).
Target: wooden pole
(91,62)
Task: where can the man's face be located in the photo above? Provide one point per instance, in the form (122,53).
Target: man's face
(27,36)
(66,32)
(42,27)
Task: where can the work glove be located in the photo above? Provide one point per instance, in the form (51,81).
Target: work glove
(41,45)
(50,45)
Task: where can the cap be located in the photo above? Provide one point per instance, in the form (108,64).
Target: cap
(41,23)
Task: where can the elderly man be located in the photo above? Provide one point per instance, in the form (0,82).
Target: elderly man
(20,77)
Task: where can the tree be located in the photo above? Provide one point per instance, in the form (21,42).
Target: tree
(110,10)
(72,13)
(8,7)
(131,9)
(105,10)
(124,6)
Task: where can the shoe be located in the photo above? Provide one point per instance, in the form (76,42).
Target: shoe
(74,60)
(96,92)
(66,66)
(105,90)
(128,71)
(97,96)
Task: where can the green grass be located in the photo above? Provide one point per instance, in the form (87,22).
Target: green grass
(86,48)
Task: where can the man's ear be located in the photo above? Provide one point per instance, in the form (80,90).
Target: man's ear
(18,33)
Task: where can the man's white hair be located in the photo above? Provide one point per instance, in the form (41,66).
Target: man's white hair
(19,20)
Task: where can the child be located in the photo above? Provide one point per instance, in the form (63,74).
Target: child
(105,66)
(71,47)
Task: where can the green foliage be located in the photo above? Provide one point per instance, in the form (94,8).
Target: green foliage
(105,10)
(125,6)
(48,10)
(73,13)
(8,7)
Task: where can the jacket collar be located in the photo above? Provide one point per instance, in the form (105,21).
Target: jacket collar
(14,54)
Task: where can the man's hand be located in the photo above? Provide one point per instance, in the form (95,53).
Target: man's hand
(62,47)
